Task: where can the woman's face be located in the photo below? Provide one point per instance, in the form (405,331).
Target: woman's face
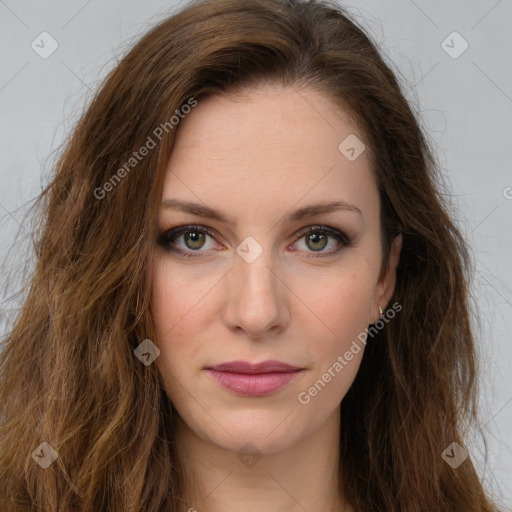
(258,287)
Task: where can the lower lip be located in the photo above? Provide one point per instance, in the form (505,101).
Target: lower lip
(260,384)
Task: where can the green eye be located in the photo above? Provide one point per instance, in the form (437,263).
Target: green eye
(195,240)
(317,239)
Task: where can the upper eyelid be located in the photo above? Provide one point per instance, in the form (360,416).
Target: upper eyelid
(330,231)
(212,232)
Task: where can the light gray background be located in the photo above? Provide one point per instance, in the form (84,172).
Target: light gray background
(465,104)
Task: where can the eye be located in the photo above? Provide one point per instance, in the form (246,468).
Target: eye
(316,239)
(194,239)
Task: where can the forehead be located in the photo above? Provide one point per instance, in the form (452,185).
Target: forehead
(268,147)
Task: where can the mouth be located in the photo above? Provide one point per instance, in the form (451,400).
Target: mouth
(254,379)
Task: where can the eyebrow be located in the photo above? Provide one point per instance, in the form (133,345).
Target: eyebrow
(296,215)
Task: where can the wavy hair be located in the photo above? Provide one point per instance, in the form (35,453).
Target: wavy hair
(68,375)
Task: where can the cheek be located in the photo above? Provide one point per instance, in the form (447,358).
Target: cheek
(177,302)
(179,297)
(340,302)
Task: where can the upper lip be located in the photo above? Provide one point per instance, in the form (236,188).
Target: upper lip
(247,367)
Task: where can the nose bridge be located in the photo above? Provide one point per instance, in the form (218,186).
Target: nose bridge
(257,299)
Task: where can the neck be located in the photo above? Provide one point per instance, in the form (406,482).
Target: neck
(299,477)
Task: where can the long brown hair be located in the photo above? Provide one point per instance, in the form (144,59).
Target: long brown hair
(69,376)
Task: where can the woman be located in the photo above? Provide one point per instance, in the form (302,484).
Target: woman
(248,293)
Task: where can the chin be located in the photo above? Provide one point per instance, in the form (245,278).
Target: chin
(255,442)
(265,431)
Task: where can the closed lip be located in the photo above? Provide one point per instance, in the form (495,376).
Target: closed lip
(253,379)
(270,366)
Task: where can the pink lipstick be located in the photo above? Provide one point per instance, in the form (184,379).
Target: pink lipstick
(258,379)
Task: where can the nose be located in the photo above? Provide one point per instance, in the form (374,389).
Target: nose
(256,301)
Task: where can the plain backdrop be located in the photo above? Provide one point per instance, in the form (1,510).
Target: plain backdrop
(454,61)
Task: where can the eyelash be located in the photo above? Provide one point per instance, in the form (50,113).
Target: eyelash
(165,239)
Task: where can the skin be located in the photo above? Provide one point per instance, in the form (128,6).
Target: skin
(256,157)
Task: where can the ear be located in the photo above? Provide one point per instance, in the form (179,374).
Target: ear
(387,280)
